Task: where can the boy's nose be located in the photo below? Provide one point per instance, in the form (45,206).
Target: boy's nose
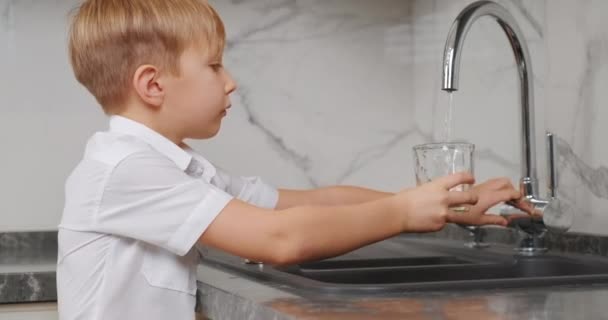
(230,85)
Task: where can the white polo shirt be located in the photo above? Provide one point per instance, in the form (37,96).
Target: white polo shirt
(134,207)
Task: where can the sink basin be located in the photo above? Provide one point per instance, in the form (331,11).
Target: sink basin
(521,269)
(430,268)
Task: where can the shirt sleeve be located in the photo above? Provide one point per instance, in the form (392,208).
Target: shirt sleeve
(148,198)
(252,190)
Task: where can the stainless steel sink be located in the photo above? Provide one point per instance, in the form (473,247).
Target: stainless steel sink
(329,265)
(524,268)
(422,267)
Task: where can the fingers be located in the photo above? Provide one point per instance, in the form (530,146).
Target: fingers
(514,217)
(523,205)
(477,219)
(504,196)
(497,184)
(502,183)
(461,197)
(493,219)
(449,182)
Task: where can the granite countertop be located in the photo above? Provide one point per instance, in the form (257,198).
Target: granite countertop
(223,295)
(27,274)
(226,295)
(27,267)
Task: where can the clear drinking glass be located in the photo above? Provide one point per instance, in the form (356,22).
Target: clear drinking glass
(434,160)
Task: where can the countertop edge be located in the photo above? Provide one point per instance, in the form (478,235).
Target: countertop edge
(223,295)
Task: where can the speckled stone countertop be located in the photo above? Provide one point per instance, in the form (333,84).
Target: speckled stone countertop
(226,295)
(28,262)
(223,295)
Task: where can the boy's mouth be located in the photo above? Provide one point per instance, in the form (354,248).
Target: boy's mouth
(225,111)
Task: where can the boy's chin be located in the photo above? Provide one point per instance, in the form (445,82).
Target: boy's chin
(204,135)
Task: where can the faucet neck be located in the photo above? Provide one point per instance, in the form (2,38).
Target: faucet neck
(451,71)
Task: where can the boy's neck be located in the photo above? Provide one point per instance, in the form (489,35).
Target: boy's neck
(152,122)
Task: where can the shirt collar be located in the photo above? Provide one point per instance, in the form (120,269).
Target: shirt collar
(209,169)
(181,157)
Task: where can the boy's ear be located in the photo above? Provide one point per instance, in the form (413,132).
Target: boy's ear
(148,86)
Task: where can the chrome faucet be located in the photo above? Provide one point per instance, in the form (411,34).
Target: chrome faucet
(532,225)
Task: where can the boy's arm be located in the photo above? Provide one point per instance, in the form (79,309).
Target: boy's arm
(489,193)
(328,196)
(312,232)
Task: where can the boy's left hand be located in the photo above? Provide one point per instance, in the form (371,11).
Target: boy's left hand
(490,193)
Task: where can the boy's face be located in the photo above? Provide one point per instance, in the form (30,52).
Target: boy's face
(199,98)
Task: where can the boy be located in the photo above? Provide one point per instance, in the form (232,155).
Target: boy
(140,199)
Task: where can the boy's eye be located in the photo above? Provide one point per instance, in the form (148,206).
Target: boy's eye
(216,66)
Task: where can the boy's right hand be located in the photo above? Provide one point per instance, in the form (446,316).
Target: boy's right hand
(426,207)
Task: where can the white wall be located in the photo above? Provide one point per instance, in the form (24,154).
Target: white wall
(45,116)
(331,92)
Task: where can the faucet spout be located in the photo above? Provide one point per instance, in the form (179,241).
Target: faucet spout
(451,70)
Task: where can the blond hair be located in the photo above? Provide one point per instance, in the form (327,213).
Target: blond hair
(110,39)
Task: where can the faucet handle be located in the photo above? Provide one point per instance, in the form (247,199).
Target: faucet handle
(551,165)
